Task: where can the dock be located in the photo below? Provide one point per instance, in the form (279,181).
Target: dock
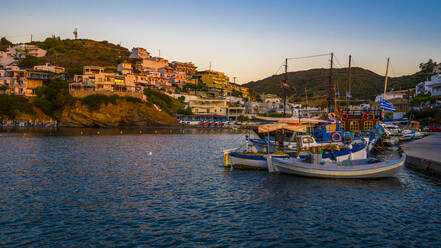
(424,155)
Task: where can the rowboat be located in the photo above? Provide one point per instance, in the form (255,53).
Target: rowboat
(362,168)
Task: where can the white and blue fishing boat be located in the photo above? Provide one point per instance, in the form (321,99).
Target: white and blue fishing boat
(361,168)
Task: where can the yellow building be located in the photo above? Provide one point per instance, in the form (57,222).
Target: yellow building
(213,79)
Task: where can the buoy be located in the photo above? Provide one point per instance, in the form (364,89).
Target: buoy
(182,131)
(121,132)
(140,131)
(81,132)
(98,132)
(227,159)
(170,131)
(156,131)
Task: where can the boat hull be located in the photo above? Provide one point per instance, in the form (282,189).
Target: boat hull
(241,160)
(331,170)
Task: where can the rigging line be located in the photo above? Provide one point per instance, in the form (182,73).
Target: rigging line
(312,56)
(278,70)
(337,61)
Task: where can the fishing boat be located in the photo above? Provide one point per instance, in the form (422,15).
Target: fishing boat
(250,159)
(361,168)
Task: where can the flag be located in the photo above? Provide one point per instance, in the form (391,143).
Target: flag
(386,105)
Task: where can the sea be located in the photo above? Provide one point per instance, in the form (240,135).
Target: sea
(168,187)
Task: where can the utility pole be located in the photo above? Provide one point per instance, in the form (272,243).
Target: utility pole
(159,51)
(285,84)
(210,66)
(330,85)
(31,37)
(349,83)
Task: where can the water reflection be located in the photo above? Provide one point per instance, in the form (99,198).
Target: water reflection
(162,189)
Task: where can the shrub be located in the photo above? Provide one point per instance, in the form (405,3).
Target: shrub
(165,102)
(186,111)
(13,105)
(94,101)
(242,118)
(52,97)
(30,61)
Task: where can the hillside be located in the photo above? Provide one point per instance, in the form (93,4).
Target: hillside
(74,54)
(365,83)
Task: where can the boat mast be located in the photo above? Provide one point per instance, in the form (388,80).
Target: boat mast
(385,80)
(385,86)
(285,84)
(349,83)
(330,86)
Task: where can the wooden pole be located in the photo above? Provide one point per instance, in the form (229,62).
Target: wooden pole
(349,82)
(284,87)
(385,80)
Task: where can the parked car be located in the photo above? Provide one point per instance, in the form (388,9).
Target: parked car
(434,129)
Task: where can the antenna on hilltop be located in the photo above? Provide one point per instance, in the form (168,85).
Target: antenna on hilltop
(75,32)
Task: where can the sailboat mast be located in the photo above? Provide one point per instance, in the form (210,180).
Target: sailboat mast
(349,82)
(285,84)
(330,85)
(385,80)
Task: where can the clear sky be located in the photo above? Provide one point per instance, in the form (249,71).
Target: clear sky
(246,39)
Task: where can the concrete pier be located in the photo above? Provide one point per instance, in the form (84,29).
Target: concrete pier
(424,155)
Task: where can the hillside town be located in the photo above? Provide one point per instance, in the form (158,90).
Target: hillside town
(207,94)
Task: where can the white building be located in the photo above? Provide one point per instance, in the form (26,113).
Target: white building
(23,50)
(6,59)
(432,87)
(139,53)
(392,95)
(124,68)
(437,69)
(48,67)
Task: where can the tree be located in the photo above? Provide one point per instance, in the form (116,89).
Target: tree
(4,43)
(428,66)
(236,93)
(181,99)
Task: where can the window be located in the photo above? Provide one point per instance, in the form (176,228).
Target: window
(368,125)
(307,140)
(354,126)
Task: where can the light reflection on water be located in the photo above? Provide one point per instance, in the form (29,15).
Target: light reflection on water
(67,189)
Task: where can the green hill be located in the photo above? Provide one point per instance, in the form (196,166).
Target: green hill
(74,54)
(365,83)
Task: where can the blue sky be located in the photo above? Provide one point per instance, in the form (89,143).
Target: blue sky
(246,39)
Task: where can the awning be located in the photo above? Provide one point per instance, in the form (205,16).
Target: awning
(272,128)
(292,120)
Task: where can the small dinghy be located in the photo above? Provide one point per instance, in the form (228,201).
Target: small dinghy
(362,168)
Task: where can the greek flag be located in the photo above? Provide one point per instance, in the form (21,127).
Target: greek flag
(386,105)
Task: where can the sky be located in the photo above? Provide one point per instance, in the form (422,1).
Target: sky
(244,38)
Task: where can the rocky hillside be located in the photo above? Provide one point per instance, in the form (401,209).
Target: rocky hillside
(123,113)
(365,83)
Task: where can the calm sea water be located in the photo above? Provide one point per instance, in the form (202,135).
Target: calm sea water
(152,190)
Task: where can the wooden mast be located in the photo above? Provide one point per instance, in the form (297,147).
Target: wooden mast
(330,86)
(349,83)
(385,80)
(385,86)
(285,84)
